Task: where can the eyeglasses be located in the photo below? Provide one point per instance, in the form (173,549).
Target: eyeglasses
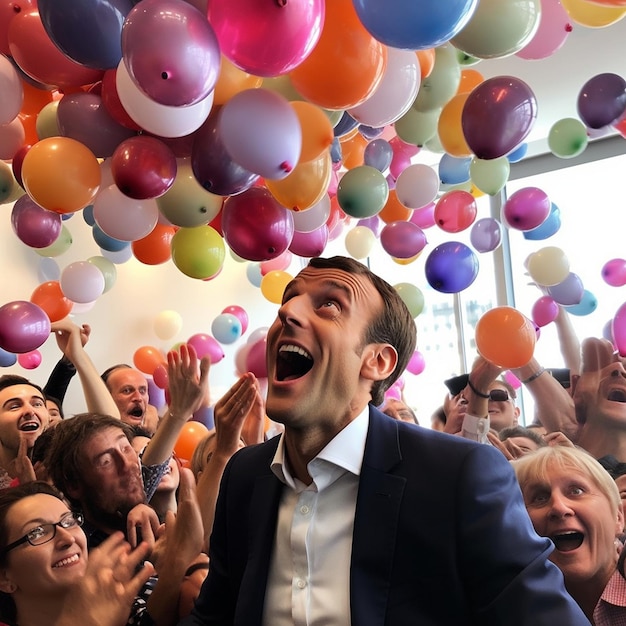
(499,395)
(46,532)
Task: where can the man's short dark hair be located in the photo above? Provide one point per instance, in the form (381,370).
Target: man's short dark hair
(393,325)
(11,380)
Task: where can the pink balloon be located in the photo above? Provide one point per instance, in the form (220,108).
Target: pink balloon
(527,208)
(255,359)
(618,328)
(614,272)
(544,311)
(82,282)
(171,51)
(416,363)
(267,39)
(554,28)
(424,217)
(240,314)
(24,326)
(161,377)
(512,379)
(35,226)
(455,211)
(205,345)
(402,240)
(30,360)
(280,263)
(310,244)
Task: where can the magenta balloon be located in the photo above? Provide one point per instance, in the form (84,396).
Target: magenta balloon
(143,167)
(205,345)
(256,226)
(497,116)
(486,234)
(416,363)
(527,208)
(240,314)
(602,100)
(30,360)
(402,240)
(35,226)
(280,263)
(554,28)
(569,291)
(618,330)
(171,51)
(255,359)
(24,326)
(614,272)
(424,217)
(311,244)
(544,311)
(267,38)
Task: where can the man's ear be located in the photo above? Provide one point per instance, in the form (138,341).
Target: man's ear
(74,491)
(6,584)
(379,361)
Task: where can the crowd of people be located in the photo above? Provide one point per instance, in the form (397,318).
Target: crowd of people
(353,514)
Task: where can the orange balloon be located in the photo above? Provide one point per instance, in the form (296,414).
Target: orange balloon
(231,80)
(49,296)
(470,78)
(450,128)
(61,174)
(34,99)
(394,210)
(29,122)
(147,359)
(505,337)
(353,151)
(426,60)
(154,248)
(317,131)
(346,65)
(189,438)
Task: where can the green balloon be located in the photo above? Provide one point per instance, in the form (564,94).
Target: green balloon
(198,252)
(108,269)
(490,175)
(283,86)
(362,192)
(61,245)
(6,182)
(442,83)
(417,127)
(46,124)
(412,297)
(567,138)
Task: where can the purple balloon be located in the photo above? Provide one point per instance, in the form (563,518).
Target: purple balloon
(402,240)
(24,326)
(205,415)
(212,165)
(568,292)
(425,216)
(374,223)
(497,116)
(310,244)
(378,153)
(527,209)
(156,395)
(602,100)
(451,267)
(7,358)
(35,226)
(486,234)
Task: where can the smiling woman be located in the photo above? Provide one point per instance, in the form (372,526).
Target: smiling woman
(573,500)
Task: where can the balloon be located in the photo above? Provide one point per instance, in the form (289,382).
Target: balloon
(107,268)
(393,211)
(497,116)
(567,138)
(548,266)
(548,227)
(412,296)
(48,270)
(124,218)
(449,127)
(143,167)
(205,345)
(82,282)
(171,52)
(313,217)
(7,359)
(345,126)
(416,364)
(415,26)
(35,226)
(24,326)
(486,234)
(359,242)
(256,226)
(254,274)
(147,358)
(554,28)
(451,267)
(281,262)
(167,324)
(378,153)
(255,358)
(527,208)
(105,242)
(402,240)
(161,377)
(191,434)
(602,100)
(593,14)
(205,415)
(417,185)
(491,175)
(50,298)
(358,61)
(245,27)
(198,252)
(425,216)
(317,132)
(505,337)
(443,82)
(61,174)
(545,310)
(362,191)
(518,154)
(614,272)
(240,314)
(569,291)
(12,91)
(618,330)
(155,247)
(455,211)
(499,28)
(29,360)
(226,328)
(232,80)
(454,170)
(587,305)
(60,246)
(273,285)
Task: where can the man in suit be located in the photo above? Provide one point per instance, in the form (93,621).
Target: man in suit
(350,517)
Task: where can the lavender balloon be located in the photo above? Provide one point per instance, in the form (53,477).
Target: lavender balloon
(310,244)
(35,226)
(24,326)
(569,291)
(486,234)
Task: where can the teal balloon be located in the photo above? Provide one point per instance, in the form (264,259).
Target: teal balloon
(362,192)
(587,305)
(226,328)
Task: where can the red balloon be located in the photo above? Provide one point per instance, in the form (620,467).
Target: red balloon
(455,211)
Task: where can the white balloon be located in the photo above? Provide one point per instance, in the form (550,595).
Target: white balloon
(82,282)
(312,218)
(359,242)
(11,90)
(417,185)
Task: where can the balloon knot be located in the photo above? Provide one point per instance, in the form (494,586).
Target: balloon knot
(281,3)
(285,167)
(568,28)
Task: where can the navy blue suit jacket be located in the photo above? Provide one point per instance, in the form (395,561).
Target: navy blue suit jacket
(441,536)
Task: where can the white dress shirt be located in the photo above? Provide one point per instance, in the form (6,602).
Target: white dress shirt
(309,575)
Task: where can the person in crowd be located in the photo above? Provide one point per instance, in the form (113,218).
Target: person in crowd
(572,500)
(55,410)
(338,520)
(516,441)
(438,419)
(617,471)
(399,410)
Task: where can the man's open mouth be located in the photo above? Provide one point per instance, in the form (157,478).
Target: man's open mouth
(136,412)
(617,395)
(28,427)
(566,542)
(292,362)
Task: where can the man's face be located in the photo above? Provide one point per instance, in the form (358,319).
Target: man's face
(399,411)
(129,389)
(23,413)
(315,349)
(502,413)
(110,482)
(609,403)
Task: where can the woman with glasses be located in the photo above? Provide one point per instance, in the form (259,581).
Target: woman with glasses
(46,575)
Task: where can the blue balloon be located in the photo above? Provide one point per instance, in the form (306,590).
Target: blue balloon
(336,154)
(412,25)
(88,215)
(378,153)
(226,328)
(107,243)
(369,132)
(451,267)
(518,154)
(345,125)
(547,228)
(587,305)
(89,32)
(253,272)
(7,358)
(454,170)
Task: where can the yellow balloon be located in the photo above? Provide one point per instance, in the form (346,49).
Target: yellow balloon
(592,15)
(548,266)
(317,130)
(450,128)
(46,124)
(273,285)
(305,186)
(232,80)
(198,252)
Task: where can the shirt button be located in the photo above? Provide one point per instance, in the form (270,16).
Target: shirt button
(304,509)
(301,584)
